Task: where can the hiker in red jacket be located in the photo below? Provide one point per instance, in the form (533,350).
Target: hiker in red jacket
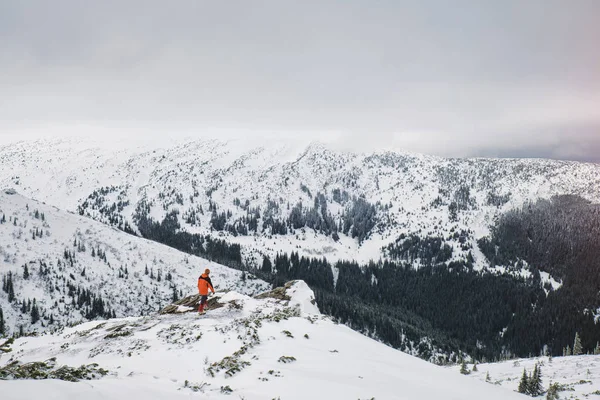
(204,285)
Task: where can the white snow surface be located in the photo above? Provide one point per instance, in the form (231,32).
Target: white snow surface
(187,175)
(303,297)
(120,280)
(580,375)
(156,355)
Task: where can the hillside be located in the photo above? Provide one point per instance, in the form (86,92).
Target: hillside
(492,257)
(286,197)
(250,349)
(576,377)
(59,269)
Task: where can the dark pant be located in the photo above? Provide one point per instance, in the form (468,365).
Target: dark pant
(203,299)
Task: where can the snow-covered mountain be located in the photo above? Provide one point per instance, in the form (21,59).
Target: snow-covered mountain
(71,269)
(353,206)
(249,349)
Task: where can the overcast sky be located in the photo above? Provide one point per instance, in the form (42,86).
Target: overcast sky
(457,78)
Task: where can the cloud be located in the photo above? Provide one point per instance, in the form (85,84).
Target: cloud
(457,79)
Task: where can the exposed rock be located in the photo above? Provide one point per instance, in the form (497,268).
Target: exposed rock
(279,293)
(50,370)
(191,304)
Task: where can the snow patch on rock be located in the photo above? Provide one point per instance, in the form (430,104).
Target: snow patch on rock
(303,297)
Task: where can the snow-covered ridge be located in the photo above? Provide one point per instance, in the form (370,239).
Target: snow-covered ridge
(64,262)
(431,196)
(253,349)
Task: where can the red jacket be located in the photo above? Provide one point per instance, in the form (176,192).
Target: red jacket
(204,285)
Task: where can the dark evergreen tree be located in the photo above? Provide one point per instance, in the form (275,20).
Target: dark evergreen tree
(25,272)
(535,384)
(35,313)
(9,287)
(267,267)
(2,327)
(524,383)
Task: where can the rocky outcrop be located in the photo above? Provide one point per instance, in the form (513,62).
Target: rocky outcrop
(191,303)
(279,293)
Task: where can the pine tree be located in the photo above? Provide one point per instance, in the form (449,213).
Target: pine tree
(267,267)
(35,313)
(475,367)
(2,327)
(487,377)
(553,392)
(535,384)
(568,351)
(597,348)
(524,383)
(10,288)
(577,350)
(463,369)
(25,272)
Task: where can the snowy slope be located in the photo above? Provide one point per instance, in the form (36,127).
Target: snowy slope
(412,193)
(66,254)
(237,352)
(578,376)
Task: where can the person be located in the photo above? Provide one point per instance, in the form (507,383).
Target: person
(204,285)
